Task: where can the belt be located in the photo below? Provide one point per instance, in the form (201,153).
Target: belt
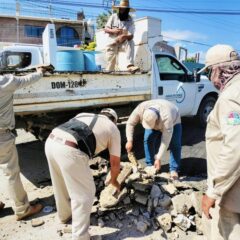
(2,130)
(63,141)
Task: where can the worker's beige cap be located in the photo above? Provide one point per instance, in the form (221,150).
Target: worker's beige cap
(219,53)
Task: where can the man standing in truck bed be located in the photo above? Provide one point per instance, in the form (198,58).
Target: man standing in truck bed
(120,29)
(8,152)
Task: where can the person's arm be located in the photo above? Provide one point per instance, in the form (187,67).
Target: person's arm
(227,171)
(114,147)
(115,170)
(24,81)
(131,123)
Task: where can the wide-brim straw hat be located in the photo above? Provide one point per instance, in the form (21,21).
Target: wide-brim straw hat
(123,4)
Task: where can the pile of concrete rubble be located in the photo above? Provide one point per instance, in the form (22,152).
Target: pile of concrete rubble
(150,200)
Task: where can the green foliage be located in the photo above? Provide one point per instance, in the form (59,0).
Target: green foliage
(191,59)
(102,19)
(88,47)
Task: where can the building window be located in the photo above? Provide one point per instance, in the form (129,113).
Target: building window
(67,36)
(33,31)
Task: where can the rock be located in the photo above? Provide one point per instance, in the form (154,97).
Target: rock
(155,202)
(159,210)
(108,197)
(182,222)
(119,225)
(67,229)
(150,205)
(112,216)
(132,158)
(150,171)
(196,198)
(133,177)
(141,198)
(170,188)
(156,192)
(164,175)
(165,221)
(143,186)
(37,222)
(96,237)
(101,223)
(127,201)
(142,226)
(199,225)
(182,203)
(165,202)
(146,214)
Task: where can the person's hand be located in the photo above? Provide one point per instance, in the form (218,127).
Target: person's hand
(120,39)
(118,31)
(116,185)
(129,146)
(207,203)
(41,69)
(157,164)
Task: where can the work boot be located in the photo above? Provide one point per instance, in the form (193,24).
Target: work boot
(1,205)
(30,211)
(133,68)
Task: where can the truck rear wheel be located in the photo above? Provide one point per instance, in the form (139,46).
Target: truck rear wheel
(205,108)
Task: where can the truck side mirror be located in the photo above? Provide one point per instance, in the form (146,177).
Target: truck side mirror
(196,76)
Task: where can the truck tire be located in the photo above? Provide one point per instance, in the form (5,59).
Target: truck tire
(205,108)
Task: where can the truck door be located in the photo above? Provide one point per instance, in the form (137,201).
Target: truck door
(173,82)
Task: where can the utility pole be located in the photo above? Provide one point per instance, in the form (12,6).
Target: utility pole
(50,8)
(17,19)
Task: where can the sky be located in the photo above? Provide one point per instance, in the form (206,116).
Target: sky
(195,30)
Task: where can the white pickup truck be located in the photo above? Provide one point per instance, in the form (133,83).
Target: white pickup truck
(60,95)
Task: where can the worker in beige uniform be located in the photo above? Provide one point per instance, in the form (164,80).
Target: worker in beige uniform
(69,148)
(221,203)
(8,152)
(162,122)
(120,30)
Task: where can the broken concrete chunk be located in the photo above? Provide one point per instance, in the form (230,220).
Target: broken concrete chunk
(199,225)
(150,171)
(142,226)
(37,222)
(108,198)
(182,222)
(182,203)
(165,221)
(142,186)
(165,202)
(101,223)
(141,198)
(196,198)
(156,192)
(155,202)
(133,177)
(170,188)
(127,200)
(132,158)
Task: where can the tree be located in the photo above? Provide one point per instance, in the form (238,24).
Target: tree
(102,19)
(191,59)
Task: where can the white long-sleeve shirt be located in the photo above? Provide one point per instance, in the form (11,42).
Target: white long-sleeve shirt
(8,85)
(169,117)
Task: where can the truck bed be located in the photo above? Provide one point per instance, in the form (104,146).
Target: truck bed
(69,91)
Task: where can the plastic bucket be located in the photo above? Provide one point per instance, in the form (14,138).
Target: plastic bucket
(70,60)
(89,60)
